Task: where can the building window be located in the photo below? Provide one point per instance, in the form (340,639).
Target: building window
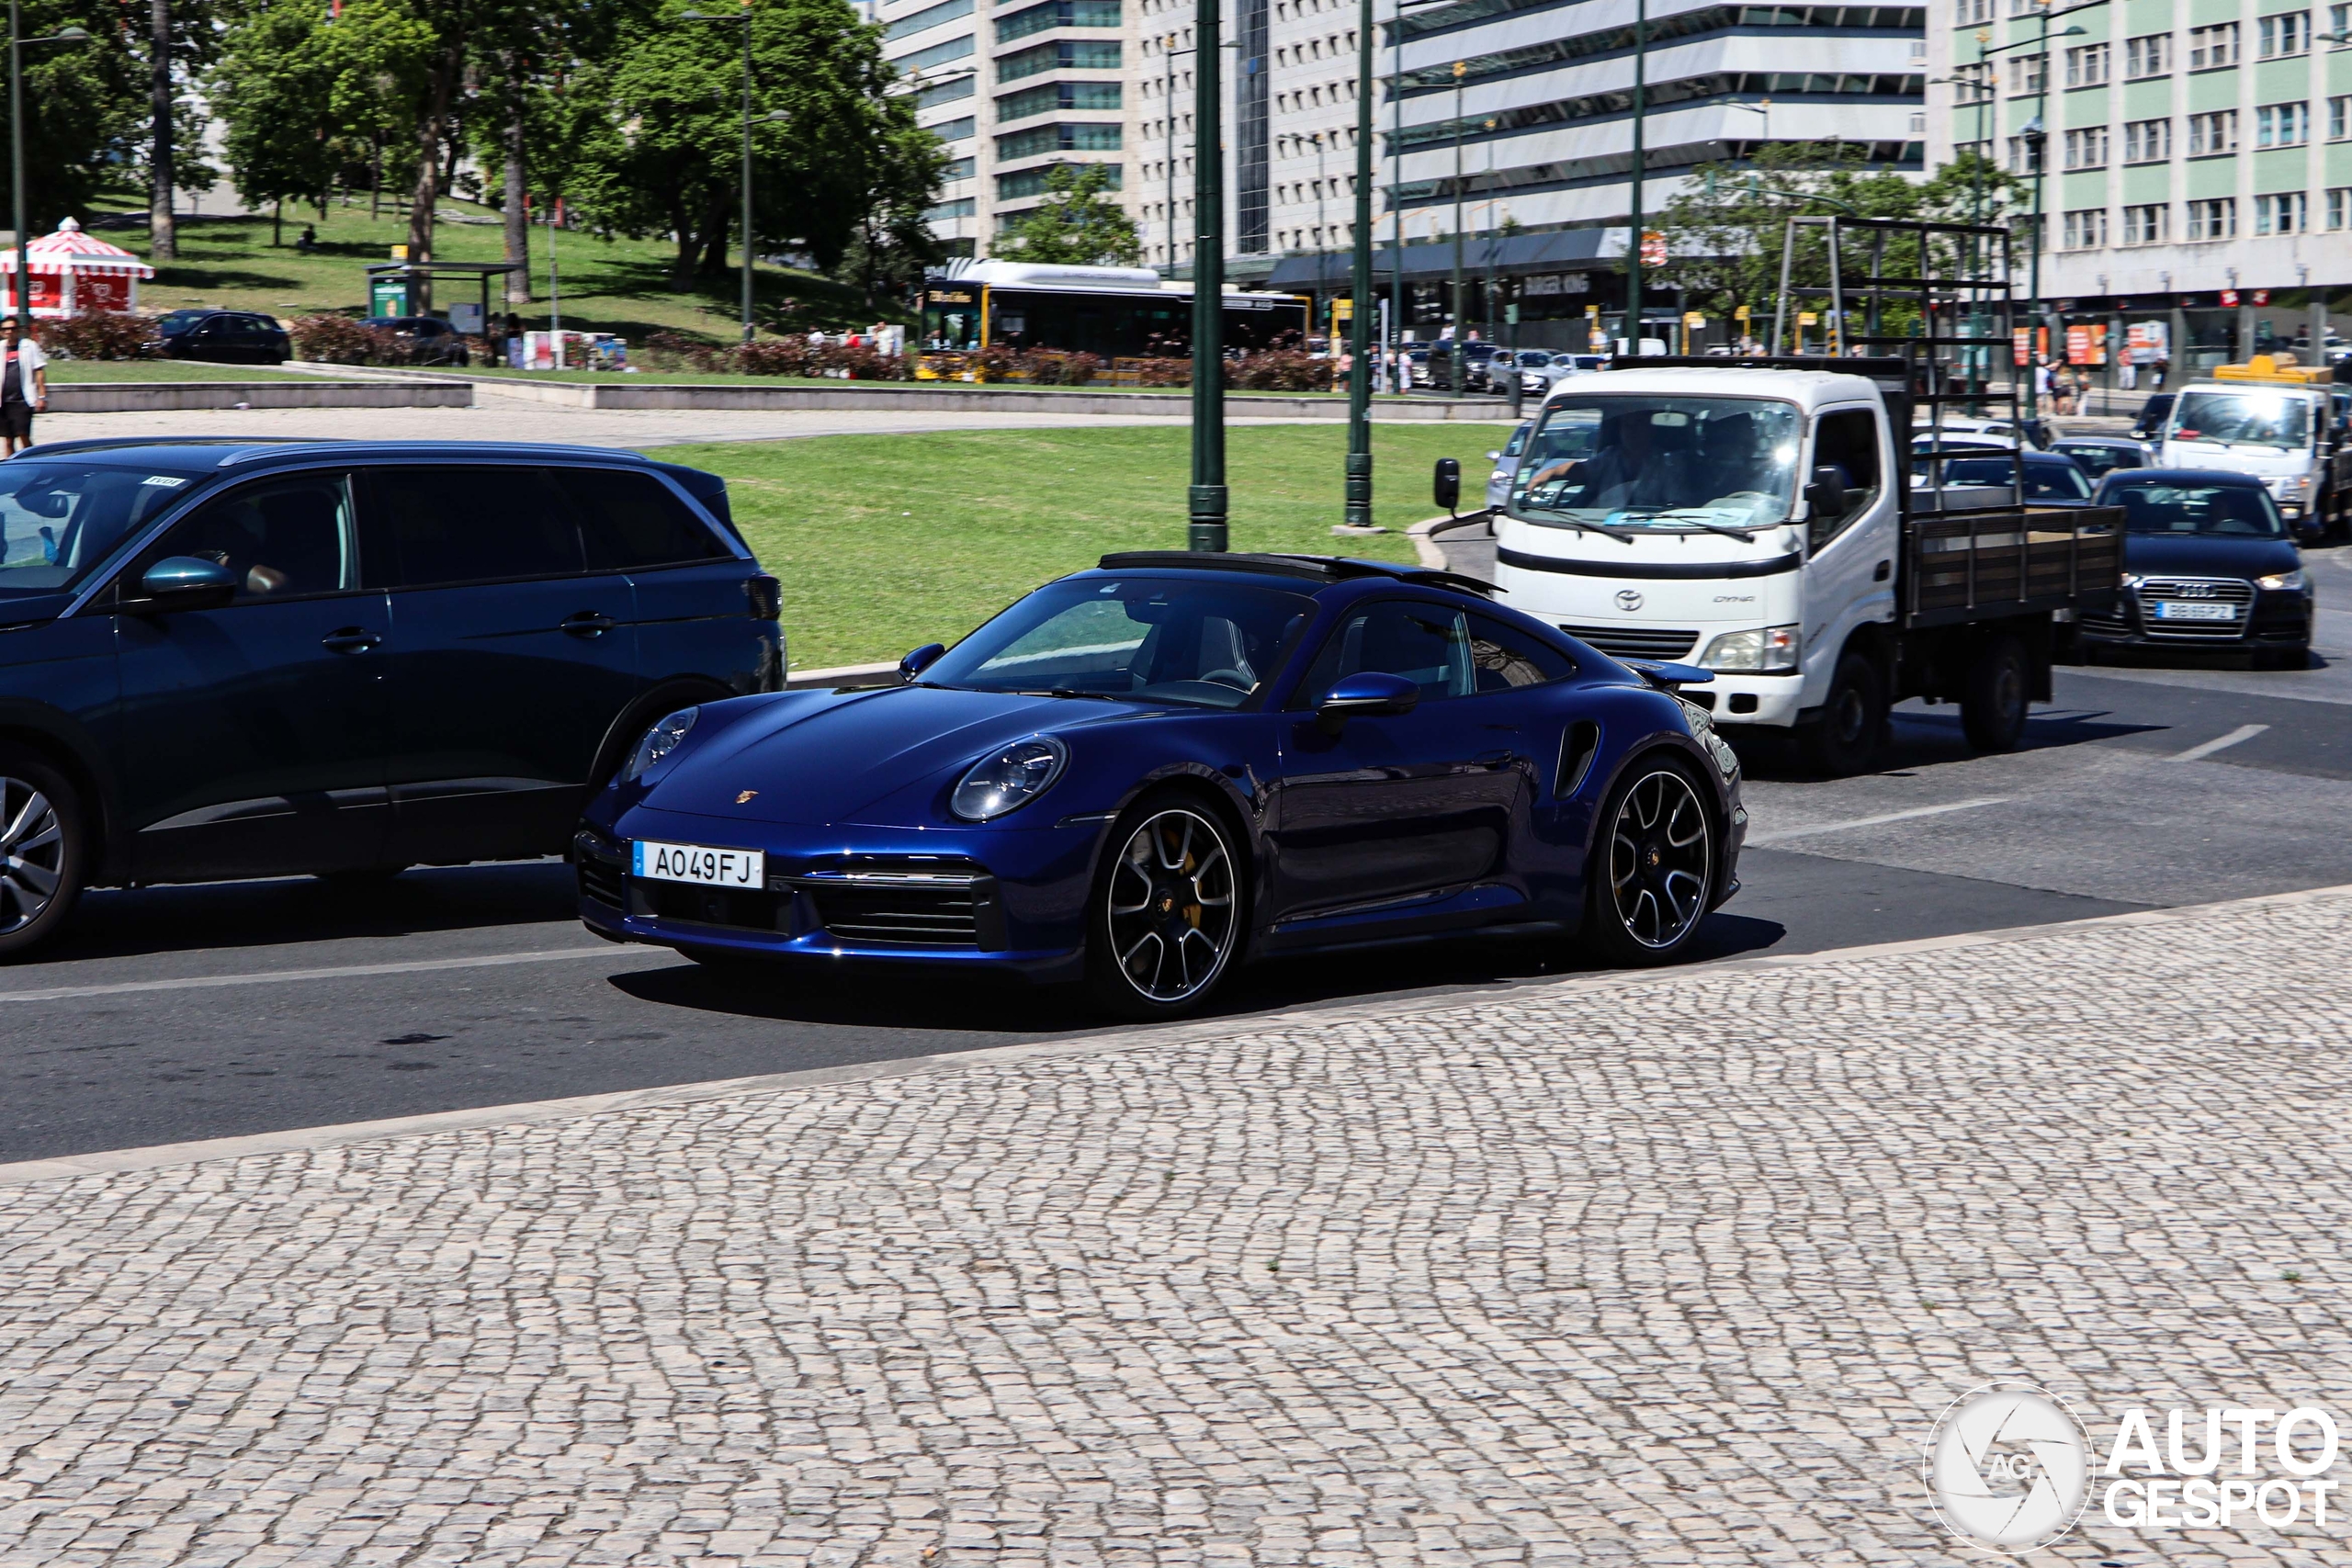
(1063,55)
(2340,22)
(952,129)
(2024,8)
(2086,148)
(1973,11)
(2086,229)
(1057,14)
(2033,71)
(956,169)
(2282,125)
(2025,157)
(1055,96)
(1043,138)
(2210,134)
(945,93)
(2150,225)
(2339,207)
(2339,118)
(2288,213)
(2149,55)
(926,18)
(1032,182)
(2086,66)
(2290,32)
(2212,48)
(2215,219)
(960,208)
(2147,141)
(937,54)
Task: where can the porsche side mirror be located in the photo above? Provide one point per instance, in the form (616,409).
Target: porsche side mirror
(920,660)
(1366,692)
(1449,482)
(183,583)
(1826,496)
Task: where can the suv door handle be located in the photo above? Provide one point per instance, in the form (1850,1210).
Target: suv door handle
(587,622)
(350,639)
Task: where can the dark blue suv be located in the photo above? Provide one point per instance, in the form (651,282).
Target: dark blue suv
(225,659)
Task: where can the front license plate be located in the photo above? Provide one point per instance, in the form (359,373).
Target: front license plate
(2189,610)
(697,862)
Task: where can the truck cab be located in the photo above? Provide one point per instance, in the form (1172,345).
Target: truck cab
(1690,514)
(2280,423)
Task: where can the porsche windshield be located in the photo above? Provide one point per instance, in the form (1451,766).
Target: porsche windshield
(1147,639)
(1626,460)
(61,521)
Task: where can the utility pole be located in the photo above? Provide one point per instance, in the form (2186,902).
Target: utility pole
(1359,471)
(1634,235)
(1206,501)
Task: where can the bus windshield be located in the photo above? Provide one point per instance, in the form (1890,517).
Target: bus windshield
(2243,419)
(1625,461)
(951,319)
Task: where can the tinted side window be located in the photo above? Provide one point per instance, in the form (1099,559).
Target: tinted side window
(1503,658)
(1848,443)
(1427,644)
(426,526)
(282,537)
(633,520)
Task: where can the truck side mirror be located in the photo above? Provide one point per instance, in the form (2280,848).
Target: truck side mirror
(1826,496)
(1449,482)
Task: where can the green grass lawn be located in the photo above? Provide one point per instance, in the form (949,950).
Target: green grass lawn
(617,285)
(63,370)
(887,542)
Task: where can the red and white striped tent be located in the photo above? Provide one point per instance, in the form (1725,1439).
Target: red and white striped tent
(74,271)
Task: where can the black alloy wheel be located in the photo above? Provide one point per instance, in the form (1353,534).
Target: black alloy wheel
(1993,705)
(1167,912)
(41,868)
(1845,738)
(1654,868)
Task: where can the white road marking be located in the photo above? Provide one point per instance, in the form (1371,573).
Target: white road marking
(2242,732)
(1776,836)
(283,976)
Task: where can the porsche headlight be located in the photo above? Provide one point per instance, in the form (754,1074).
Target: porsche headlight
(1010,779)
(2292,581)
(659,742)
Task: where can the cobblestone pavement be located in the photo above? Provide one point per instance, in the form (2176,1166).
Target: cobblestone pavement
(1658,1270)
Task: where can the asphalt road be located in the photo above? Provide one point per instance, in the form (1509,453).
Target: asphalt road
(171,1014)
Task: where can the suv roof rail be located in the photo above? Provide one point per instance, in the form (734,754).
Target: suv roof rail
(116,443)
(1328,569)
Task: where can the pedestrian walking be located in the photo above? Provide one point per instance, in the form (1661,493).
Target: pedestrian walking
(24,387)
(2128,372)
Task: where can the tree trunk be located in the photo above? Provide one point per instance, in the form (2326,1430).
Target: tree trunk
(429,129)
(517,213)
(714,253)
(376,183)
(681,270)
(277,224)
(163,237)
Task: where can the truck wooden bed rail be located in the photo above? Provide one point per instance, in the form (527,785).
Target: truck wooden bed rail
(1973,566)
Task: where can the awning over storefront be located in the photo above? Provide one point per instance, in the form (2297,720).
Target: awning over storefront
(1508,254)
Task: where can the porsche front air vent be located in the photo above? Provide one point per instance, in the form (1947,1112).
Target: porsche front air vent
(911,908)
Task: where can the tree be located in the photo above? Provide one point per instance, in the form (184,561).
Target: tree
(1076,226)
(902,173)
(1727,228)
(84,106)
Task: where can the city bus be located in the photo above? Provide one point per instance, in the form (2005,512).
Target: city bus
(1111,312)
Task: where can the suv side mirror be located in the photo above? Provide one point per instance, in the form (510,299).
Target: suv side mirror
(183,583)
(920,660)
(1365,692)
(1449,482)
(1826,496)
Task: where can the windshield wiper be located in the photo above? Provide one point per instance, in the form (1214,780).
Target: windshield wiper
(1623,535)
(1067,692)
(1745,535)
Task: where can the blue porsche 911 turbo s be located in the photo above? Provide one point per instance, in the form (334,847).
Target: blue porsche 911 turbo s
(1150,773)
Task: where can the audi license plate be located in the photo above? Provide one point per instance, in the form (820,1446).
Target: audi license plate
(2191,610)
(697,863)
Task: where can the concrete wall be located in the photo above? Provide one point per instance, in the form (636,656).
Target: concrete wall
(155,397)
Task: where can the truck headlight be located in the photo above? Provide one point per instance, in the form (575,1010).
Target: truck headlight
(2295,581)
(1763,649)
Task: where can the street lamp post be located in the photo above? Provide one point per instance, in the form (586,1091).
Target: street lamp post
(1634,234)
(1358,512)
(1460,69)
(745,19)
(16,149)
(1206,501)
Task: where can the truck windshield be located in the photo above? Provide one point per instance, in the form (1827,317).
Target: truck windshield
(2244,419)
(1626,460)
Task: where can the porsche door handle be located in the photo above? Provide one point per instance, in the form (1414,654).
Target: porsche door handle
(350,639)
(587,622)
(1495,760)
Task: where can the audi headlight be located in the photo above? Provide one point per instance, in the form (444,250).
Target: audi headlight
(1010,779)
(2295,581)
(2132,580)
(659,742)
(1764,648)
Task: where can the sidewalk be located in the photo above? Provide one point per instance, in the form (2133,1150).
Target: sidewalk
(1671,1269)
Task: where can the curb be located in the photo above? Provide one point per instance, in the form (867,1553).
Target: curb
(839,675)
(1424,535)
(298,1140)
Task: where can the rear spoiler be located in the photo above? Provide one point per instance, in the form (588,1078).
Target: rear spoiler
(1669,677)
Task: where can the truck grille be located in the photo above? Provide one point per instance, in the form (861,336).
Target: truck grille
(1635,642)
(2236,593)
